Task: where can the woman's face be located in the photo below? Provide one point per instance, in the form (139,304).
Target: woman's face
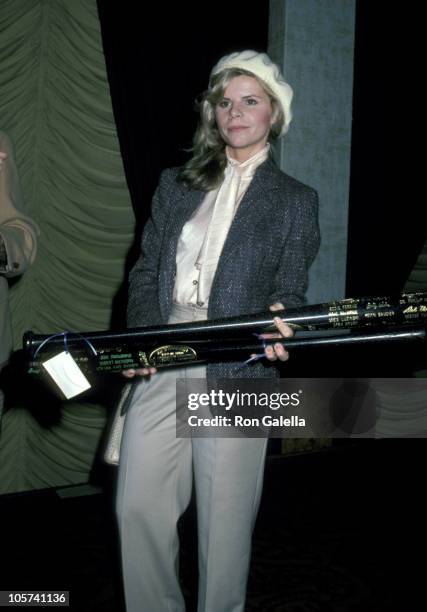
(244,117)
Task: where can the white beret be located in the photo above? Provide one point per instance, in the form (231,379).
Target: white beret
(267,71)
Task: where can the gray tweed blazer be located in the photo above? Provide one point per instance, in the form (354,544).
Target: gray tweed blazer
(272,242)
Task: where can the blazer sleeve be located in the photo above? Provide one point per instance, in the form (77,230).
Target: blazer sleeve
(298,251)
(143,297)
(18,232)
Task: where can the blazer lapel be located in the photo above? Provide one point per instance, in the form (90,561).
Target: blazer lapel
(184,205)
(253,206)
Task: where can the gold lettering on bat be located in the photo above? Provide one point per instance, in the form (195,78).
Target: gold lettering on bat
(143,359)
(415,309)
(349,312)
(380,314)
(377,304)
(172,353)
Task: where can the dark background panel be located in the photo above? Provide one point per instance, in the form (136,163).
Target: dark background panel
(158,62)
(387,222)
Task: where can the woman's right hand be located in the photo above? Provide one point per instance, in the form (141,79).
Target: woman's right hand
(146,372)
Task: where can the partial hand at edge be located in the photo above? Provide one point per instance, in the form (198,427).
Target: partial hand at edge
(277,350)
(146,372)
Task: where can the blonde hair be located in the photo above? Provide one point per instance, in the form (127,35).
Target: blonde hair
(205,170)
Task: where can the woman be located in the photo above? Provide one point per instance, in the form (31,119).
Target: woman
(229,234)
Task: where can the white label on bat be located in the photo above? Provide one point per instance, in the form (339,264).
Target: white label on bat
(67,374)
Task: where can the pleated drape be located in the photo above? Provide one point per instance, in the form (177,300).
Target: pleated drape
(55,104)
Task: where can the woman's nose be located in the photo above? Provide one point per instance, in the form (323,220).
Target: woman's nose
(235,111)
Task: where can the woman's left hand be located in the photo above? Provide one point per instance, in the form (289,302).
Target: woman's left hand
(277,350)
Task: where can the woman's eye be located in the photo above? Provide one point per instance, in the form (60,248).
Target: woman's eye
(251,101)
(224,104)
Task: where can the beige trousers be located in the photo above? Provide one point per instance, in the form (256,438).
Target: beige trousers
(154,488)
